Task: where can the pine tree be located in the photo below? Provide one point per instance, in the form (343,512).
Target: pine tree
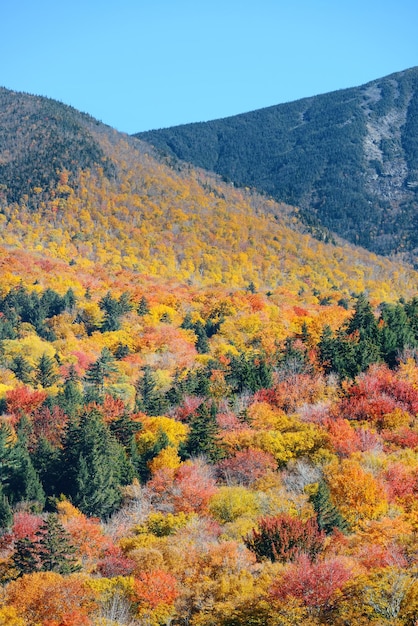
(203,435)
(94,472)
(24,483)
(6,515)
(25,557)
(327,515)
(22,369)
(55,549)
(71,398)
(143,307)
(147,399)
(47,462)
(45,372)
(101,370)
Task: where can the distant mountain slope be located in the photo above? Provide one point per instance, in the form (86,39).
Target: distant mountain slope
(348,158)
(102,199)
(39,136)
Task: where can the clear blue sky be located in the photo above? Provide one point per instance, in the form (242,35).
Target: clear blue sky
(144,64)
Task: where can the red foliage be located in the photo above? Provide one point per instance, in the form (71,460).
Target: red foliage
(112,408)
(115,565)
(377,393)
(343,438)
(376,556)
(188,408)
(194,487)
(285,538)
(246,466)
(312,583)
(49,424)
(155,588)
(25,525)
(403,438)
(188,489)
(401,482)
(229,421)
(23,401)
(292,392)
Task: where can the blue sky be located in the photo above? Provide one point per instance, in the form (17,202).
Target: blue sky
(139,65)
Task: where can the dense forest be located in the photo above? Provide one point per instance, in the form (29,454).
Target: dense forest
(207,416)
(348,159)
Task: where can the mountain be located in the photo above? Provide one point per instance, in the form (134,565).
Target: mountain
(348,159)
(80,191)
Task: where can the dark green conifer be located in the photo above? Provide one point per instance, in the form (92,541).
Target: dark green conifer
(328,516)
(101,370)
(203,434)
(55,550)
(143,307)
(21,369)
(45,371)
(6,515)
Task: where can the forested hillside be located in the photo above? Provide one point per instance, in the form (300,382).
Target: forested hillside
(348,159)
(207,417)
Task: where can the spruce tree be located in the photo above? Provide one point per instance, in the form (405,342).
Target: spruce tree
(94,473)
(25,557)
(55,549)
(143,307)
(71,397)
(147,399)
(22,369)
(45,372)
(6,515)
(328,516)
(203,435)
(101,370)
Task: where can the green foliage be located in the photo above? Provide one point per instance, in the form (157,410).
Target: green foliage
(101,370)
(55,549)
(327,515)
(203,434)
(310,154)
(95,466)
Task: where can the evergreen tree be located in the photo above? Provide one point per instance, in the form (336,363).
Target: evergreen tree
(396,333)
(25,557)
(101,370)
(203,434)
(327,515)
(7,460)
(24,483)
(55,549)
(94,472)
(22,369)
(71,398)
(6,515)
(363,321)
(47,462)
(45,372)
(143,307)
(147,399)
(124,429)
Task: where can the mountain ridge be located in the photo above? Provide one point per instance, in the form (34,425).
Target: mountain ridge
(348,158)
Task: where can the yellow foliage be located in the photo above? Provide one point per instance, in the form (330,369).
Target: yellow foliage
(265,417)
(31,347)
(67,511)
(359,496)
(10,617)
(230,503)
(152,427)
(167,458)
